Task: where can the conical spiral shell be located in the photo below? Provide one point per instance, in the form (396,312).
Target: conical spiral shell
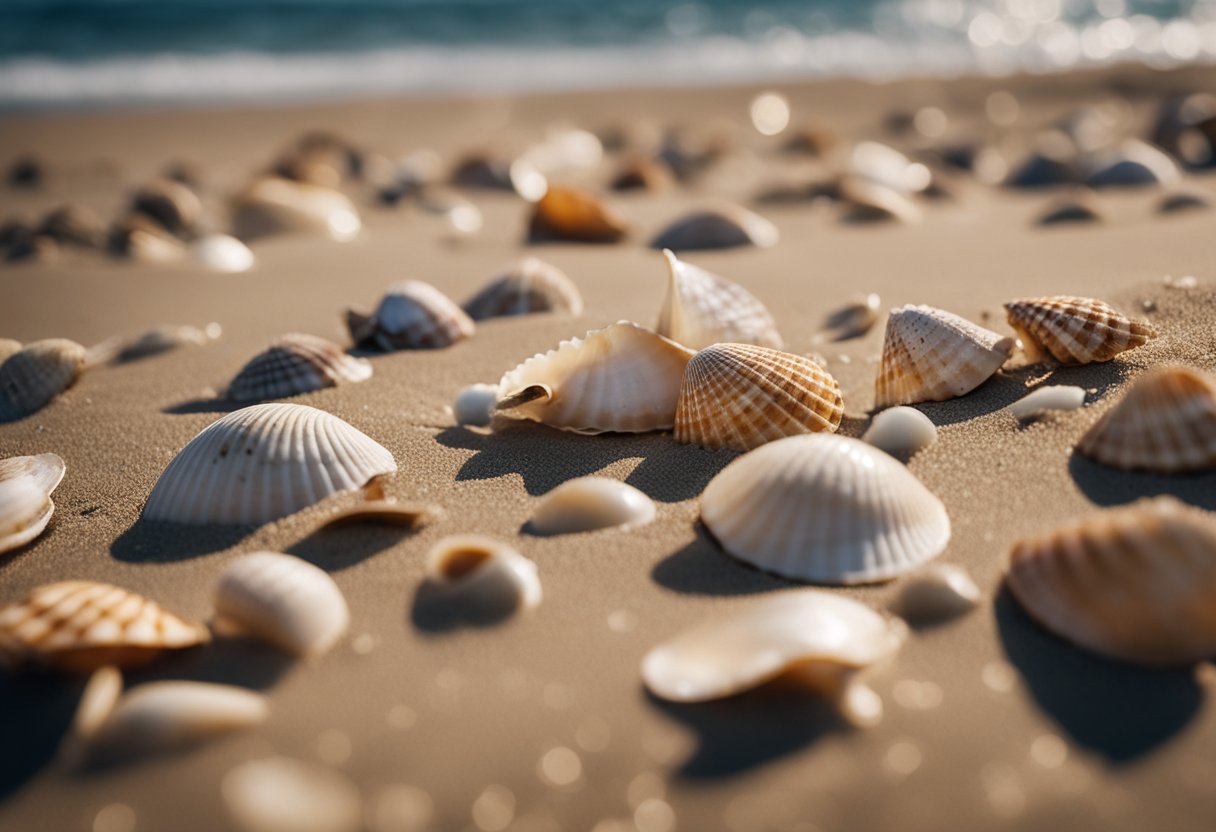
(80,626)
(411,315)
(702,308)
(1166,423)
(265,462)
(531,285)
(579,216)
(622,378)
(740,396)
(930,355)
(1136,583)
(727,227)
(296,364)
(29,379)
(1074,330)
(824,509)
(26,483)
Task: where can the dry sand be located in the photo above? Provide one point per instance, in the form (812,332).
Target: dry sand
(976,709)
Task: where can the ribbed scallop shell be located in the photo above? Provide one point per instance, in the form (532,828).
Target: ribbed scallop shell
(1136,583)
(1074,330)
(531,285)
(1166,423)
(80,626)
(265,462)
(731,226)
(274,205)
(930,355)
(824,509)
(702,308)
(622,378)
(572,214)
(26,484)
(740,396)
(411,315)
(31,378)
(296,364)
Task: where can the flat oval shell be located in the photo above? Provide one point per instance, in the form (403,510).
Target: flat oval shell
(480,578)
(588,503)
(296,364)
(702,308)
(1074,330)
(531,285)
(163,715)
(26,484)
(40,371)
(412,315)
(727,227)
(901,430)
(1055,397)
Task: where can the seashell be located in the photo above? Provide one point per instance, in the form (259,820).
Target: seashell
(575,215)
(274,205)
(74,225)
(824,509)
(279,794)
(622,378)
(264,462)
(171,205)
(1056,397)
(222,253)
(97,701)
(901,431)
(702,308)
(1079,209)
(480,170)
(531,285)
(887,167)
(282,600)
(477,578)
(1165,423)
(868,201)
(643,173)
(1177,123)
(411,315)
(589,503)
(79,626)
(740,396)
(138,238)
(1183,202)
(730,226)
(475,405)
(296,364)
(1132,163)
(855,318)
(26,485)
(930,355)
(160,716)
(1133,583)
(941,592)
(168,337)
(31,378)
(1074,330)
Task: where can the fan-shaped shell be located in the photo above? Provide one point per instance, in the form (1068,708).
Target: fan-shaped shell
(29,379)
(26,484)
(702,308)
(478,578)
(730,226)
(1166,423)
(164,715)
(1136,583)
(589,503)
(824,509)
(80,626)
(565,213)
(296,364)
(740,396)
(1074,330)
(273,205)
(531,285)
(411,315)
(1133,163)
(622,378)
(265,462)
(931,355)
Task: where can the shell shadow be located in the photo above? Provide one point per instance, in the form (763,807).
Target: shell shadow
(1119,711)
(39,709)
(434,614)
(702,568)
(336,548)
(148,541)
(1111,487)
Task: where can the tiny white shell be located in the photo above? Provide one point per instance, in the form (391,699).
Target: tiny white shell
(475,405)
(886,166)
(279,794)
(702,308)
(165,715)
(590,503)
(1057,397)
(901,430)
(223,253)
(26,485)
(941,592)
(476,577)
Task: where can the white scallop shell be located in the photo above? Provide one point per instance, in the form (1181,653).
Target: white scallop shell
(589,503)
(295,364)
(411,315)
(702,308)
(901,430)
(621,378)
(479,577)
(825,509)
(40,371)
(282,600)
(531,285)
(223,253)
(26,485)
(729,226)
(274,205)
(265,462)
(1055,397)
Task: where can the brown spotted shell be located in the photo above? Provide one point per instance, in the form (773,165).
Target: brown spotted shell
(578,216)
(531,285)
(40,371)
(296,364)
(411,315)
(1074,330)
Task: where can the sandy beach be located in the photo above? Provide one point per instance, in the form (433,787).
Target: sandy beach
(991,722)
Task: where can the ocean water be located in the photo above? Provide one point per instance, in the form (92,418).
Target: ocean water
(104,52)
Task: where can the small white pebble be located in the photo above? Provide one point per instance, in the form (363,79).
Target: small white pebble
(475,405)
(1056,397)
(901,430)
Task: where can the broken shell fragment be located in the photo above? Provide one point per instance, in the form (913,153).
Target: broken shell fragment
(26,485)
(901,431)
(273,205)
(574,215)
(411,315)
(40,371)
(531,285)
(589,503)
(296,364)
(1056,397)
(1074,330)
(702,308)
(941,592)
(476,578)
(729,226)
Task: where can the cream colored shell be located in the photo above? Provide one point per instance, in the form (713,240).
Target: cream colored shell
(531,285)
(479,578)
(589,503)
(1074,330)
(40,371)
(295,364)
(901,431)
(26,485)
(1044,399)
(702,308)
(411,315)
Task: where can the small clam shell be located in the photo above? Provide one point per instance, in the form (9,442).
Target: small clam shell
(868,201)
(1056,397)
(160,716)
(740,396)
(886,166)
(589,503)
(173,206)
(264,462)
(296,364)
(702,308)
(411,315)
(282,600)
(26,484)
(279,794)
(475,405)
(31,378)
(941,592)
(930,355)
(1166,423)
(274,205)
(1134,583)
(578,216)
(901,431)
(730,226)
(80,626)
(1074,330)
(1132,163)
(477,578)
(531,285)
(223,253)
(622,378)
(824,509)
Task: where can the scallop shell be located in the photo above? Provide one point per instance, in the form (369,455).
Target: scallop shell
(476,577)
(740,396)
(730,226)
(31,378)
(901,430)
(1134,583)
(930,355)
(589,503)
(296,364)
(411,315)
(80,626)
(264,462)
(702,308)
(531,285)
(1133,163)
(1166,423)
(622,378)
(824,509)
(273,205)
(282,600)
(26,484)
(578,216)
(1074,330)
